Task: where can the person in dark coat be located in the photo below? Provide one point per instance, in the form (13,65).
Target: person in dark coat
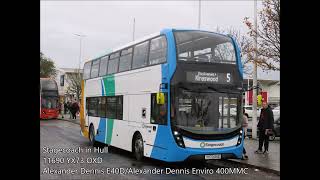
(265,127)
(74,109)
(65,108)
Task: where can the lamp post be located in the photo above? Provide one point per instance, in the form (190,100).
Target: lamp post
(254,92)
(80,37)
(199,15)
(134,28)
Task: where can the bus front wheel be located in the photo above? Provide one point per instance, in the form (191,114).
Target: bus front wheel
(138,147)
(92,137)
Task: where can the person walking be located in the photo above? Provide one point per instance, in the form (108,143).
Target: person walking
(61,109)
(65,105)
(69,108)
(74,109)
(245,126)
(265,127)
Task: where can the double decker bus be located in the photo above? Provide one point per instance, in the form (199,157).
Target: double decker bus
(172,96)
(49,99)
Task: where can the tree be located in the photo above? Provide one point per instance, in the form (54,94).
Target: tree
(47,67)
(243,42)
(268,36)
(74,84)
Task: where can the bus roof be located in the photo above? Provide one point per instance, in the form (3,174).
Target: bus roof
(149,37)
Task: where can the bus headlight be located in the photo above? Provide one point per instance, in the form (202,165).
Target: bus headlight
(240,137)
(178,138)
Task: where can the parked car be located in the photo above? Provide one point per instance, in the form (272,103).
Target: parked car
(249,110)
(276,130)
(276,113)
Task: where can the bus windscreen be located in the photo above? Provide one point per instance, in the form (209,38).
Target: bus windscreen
(198,46)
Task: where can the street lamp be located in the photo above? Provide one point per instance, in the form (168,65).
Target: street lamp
(80,36)
(254,93)
(199,15)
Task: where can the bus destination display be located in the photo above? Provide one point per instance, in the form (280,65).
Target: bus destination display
(209,77)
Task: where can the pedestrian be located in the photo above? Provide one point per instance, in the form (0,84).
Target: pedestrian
(61,109)
(245,126)
(69,108)
(65,107)
(265,127)
(74,109)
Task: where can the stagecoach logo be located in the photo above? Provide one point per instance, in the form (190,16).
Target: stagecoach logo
(206,144)
(202,144)
(208,77)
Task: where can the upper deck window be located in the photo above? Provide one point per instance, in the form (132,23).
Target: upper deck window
(140,55)
(87,69)
(125,60)
(158,49)
(200,46)
(113,63)
(95,68)
(103,66)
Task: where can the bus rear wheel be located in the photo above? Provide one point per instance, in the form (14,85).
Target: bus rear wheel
(138,147)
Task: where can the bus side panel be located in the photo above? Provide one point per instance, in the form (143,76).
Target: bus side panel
(136,87)
(101,130)
(121,135)
(139,81)
(93,88)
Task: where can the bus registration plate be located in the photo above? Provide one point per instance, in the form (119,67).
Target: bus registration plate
(213,156)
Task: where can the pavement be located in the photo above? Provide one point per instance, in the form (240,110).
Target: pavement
(67,117)
(267,162)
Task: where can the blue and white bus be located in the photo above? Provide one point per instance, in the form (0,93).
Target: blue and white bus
(172,96)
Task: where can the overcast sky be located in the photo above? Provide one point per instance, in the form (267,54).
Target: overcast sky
(108,24)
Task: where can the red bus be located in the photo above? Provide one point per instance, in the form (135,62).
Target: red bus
(49,99)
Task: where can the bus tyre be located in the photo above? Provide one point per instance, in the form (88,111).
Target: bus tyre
(138,147)
(92,136)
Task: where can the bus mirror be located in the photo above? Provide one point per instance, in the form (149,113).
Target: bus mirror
(160,98)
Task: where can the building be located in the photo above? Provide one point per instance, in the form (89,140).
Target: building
(271,87)
(63,79)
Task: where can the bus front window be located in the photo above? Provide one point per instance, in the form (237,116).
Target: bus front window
(207,112)
(49,103)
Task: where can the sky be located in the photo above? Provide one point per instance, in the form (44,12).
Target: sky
(109,24)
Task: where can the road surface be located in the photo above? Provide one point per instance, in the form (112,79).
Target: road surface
(65,154)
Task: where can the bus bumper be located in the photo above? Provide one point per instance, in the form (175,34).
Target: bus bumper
(179,154)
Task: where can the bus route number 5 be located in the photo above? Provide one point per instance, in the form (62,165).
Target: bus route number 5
(228,77)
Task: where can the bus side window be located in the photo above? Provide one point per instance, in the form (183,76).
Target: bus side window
(87,105)
(87,70)
(102,107)
(93,106)
(140,55)
(119,107)
(158,49)
(114,107)
(158,112)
